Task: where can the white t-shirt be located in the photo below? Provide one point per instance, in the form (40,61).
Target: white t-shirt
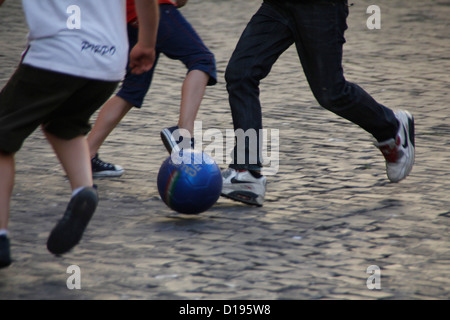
(86,38)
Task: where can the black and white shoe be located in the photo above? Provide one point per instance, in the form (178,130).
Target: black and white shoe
(174,139)
(400,152)
(102,169)
(243,186)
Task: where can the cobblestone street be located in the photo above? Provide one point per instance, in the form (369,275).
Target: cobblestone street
(330,212)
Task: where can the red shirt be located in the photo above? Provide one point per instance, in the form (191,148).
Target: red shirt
(131,8)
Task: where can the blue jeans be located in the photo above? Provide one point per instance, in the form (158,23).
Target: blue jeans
(176,39)
(317,30)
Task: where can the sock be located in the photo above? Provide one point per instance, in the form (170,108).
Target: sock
(76,191)
(3,232)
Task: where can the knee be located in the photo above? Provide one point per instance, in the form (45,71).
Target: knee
(242,76)
(206,63)
(325,98)
(206,59)
(334,97)
(232,74)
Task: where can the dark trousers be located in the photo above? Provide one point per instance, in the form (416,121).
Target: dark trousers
(317,30)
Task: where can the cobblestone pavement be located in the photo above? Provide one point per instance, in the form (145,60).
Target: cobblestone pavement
(329,214)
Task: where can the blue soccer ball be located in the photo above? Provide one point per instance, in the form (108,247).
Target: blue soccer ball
(189,182)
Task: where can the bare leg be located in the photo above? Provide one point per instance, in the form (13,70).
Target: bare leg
(108,118)
(7,168)
(192,92)
(74,157)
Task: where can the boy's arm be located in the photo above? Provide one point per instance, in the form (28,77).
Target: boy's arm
(142,56)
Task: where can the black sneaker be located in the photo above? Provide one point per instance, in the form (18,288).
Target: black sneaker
(174,141)
(104,169)
(69,230)
(5,255)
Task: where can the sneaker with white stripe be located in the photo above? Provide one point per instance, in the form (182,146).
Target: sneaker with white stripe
(243,186)
(101,169)
(176,139)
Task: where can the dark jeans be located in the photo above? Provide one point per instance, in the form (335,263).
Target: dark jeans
(317,29)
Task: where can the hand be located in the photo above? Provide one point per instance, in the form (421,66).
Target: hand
(143,55)
(141,59)
(181,3)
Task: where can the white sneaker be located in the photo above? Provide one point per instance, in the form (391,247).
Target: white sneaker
(243,186)
(400,152)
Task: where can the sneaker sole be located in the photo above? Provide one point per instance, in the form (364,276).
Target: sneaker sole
(69,230)
(108,174)
(411,143)
(245,197)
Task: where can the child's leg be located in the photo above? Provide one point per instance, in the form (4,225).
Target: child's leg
(24,102)
(6,186)
(65,130)
(74,157)
(108,118)
(132,93)
(192,92)
(178,40)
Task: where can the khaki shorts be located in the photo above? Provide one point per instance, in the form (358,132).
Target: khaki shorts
(61,103)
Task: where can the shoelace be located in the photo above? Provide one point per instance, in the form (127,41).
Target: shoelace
(102,164)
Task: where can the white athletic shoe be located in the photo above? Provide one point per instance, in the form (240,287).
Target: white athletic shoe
(241,185)
(400,152)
